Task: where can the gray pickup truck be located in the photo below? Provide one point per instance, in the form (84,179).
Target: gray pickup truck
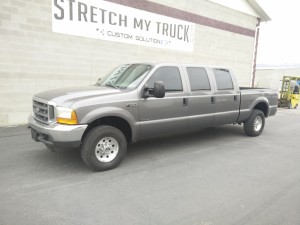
(144,100)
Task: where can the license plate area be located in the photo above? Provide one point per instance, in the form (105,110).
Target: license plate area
(34,134)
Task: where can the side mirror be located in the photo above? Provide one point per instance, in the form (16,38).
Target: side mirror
(158,91)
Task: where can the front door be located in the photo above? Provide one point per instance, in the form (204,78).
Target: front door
(161,116)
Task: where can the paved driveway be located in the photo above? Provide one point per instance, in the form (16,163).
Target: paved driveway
(214,176)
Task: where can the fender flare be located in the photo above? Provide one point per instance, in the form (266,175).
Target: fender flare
(261,101)
(112,112)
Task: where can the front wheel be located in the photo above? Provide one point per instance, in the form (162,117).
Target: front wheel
(103,148)
(255,124)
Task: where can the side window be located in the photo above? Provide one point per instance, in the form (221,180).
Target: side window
(223,79)
(170,75)
(198,78)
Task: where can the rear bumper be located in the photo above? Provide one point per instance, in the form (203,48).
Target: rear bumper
(56,135)
(272,110)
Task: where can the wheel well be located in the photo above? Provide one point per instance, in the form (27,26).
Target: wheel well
(262,106)
(113,121)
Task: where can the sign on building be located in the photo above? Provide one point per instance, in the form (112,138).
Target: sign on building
(113,22)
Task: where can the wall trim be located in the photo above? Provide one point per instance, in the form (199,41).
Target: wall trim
(183,15)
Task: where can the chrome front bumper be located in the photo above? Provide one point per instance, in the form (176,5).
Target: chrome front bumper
(56,135)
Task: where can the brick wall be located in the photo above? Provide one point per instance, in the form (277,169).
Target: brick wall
(33,58)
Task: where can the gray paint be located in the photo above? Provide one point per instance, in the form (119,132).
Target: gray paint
(150,117)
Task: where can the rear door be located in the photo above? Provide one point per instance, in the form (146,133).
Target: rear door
(201,107)
(226,97)
(161,116)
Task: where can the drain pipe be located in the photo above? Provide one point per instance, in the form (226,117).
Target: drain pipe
(255,52)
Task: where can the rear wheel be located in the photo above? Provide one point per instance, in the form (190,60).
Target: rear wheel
(255,124)
(103,148)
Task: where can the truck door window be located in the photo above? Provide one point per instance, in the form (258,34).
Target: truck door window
(169,75)
(198,78)
(223,79)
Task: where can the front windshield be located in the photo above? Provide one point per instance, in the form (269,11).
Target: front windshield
(126,76)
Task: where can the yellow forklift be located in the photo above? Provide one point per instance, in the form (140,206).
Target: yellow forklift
(289,94)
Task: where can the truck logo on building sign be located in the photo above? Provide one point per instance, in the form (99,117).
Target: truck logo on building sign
(113,22)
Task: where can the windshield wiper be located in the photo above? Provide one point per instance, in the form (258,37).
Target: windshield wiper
(110,85)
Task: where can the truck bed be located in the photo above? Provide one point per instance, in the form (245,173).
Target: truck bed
(253,88)
(250,97)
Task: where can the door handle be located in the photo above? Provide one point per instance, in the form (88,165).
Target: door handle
(185,102)
(213,100)
(235,98)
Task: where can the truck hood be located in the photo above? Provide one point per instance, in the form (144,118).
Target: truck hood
(70,95)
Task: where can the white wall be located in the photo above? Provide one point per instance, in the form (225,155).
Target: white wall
(239,5)
(33,58)
(272,77)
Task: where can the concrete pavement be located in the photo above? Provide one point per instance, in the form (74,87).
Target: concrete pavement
(214,176)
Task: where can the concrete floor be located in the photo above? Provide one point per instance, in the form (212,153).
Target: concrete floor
(214,176)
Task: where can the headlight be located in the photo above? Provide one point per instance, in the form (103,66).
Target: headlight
(66,115)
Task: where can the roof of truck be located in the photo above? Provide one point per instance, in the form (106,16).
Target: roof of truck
(155,63)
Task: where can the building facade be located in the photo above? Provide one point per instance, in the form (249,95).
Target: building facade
(272,77)
(51,44)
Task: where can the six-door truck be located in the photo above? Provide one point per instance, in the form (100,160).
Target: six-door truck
(145,100)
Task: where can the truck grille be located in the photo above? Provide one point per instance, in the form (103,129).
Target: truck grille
(43,112)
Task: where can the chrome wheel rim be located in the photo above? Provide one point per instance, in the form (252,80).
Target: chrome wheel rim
(107,149)
(257,123)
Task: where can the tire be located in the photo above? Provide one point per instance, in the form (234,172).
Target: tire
(254,126)
(103,148)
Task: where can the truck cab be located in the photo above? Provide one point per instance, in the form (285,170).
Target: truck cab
(195,97)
